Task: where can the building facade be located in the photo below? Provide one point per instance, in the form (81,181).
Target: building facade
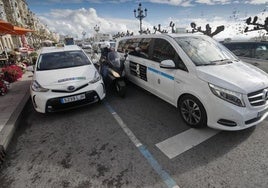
(18,13)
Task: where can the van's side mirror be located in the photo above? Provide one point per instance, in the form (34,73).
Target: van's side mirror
(167,64)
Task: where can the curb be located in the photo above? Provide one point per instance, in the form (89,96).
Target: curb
(9,129)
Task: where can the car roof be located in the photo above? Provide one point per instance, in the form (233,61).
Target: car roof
(165,35)
(63,48)
(244,42)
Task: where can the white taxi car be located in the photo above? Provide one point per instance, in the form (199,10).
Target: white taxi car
(64,78)
(204,80)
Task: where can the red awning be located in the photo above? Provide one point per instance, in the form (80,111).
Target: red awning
(8,28)
(22,31)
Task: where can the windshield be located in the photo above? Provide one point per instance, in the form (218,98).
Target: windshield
(60,60)
(203,50)
(114,59)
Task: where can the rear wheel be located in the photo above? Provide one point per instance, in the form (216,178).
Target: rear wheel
(192,111)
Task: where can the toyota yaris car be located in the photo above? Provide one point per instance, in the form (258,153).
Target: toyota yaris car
(64,78)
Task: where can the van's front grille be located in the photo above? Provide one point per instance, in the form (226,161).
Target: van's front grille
(259,97)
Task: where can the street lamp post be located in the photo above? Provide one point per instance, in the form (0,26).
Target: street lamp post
(140,14)
(97,29)
(84,36)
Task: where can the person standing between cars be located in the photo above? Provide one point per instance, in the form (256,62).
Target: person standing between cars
(104,59)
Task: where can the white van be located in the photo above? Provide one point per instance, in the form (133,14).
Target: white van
(209,85)
(64,78)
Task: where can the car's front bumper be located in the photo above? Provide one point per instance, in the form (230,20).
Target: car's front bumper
(52,101)
(226,116)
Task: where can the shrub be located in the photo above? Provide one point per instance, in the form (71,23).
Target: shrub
(12,73)
(33,56)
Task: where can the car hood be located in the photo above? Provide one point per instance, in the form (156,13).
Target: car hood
(236,76)
(58,78)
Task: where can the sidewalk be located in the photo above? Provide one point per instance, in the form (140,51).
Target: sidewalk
(11,106)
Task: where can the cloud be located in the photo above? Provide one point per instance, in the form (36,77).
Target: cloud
(74,22)
(257,2)
(184,3)
(214,2)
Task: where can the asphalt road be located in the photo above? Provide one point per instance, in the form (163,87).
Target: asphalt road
(88,147)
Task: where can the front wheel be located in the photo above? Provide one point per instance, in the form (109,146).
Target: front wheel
(120,86)
(192,111)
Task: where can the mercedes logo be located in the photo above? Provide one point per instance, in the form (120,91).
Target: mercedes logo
(70,88)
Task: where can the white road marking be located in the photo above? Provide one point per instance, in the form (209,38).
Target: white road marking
(145,152)
(184,141)
(130,134)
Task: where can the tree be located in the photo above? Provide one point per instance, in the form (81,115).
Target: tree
(122,34)
(208,30)
(159,29)
(172,25)
(258,26)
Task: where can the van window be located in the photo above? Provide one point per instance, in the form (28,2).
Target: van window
(121,46)
(163,50)
(144,47)
(128,45)
(204,50)
(137,47)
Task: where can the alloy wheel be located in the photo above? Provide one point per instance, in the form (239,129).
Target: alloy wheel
(190,111)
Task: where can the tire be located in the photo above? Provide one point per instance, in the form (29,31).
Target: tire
(120,87)
(192,111)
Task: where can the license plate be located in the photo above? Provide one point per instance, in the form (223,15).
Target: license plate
(73,98)
(261,113)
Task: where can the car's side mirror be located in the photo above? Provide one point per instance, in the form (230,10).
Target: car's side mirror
(168,64)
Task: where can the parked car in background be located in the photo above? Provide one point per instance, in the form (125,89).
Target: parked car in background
(255,53)
(86,46)
(64,77)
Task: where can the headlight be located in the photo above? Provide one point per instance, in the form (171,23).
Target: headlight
(115,74)
(227,95)
(96,78)
(37,87)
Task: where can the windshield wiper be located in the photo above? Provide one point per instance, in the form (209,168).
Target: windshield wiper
(222,61)
(206,64)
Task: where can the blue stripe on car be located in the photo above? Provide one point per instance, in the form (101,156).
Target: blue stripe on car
(161,73)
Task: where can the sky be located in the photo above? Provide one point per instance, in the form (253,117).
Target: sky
(75,17)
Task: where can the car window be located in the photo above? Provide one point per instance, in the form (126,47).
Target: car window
(59,60)
(241,49)
(261,51)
